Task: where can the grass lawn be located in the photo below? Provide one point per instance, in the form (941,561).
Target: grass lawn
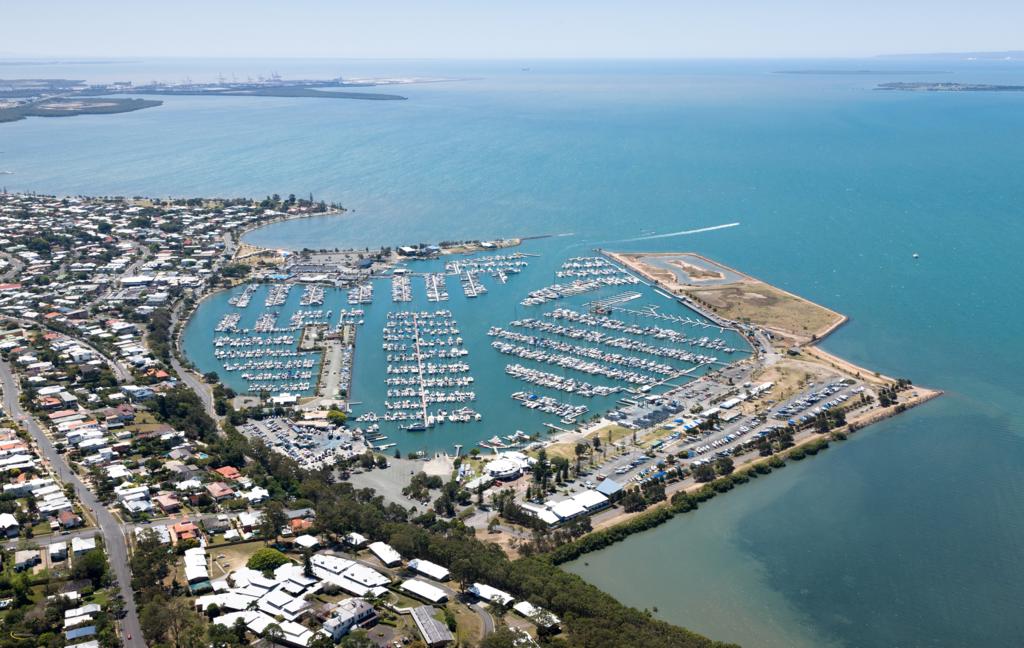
(567,449)
(236,556)
(41,529)
(469,629)
(401,600)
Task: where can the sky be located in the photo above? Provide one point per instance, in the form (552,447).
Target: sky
(507,29)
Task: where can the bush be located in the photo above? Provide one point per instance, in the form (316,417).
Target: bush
(266,558)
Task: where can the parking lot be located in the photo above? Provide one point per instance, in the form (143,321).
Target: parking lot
(672,428)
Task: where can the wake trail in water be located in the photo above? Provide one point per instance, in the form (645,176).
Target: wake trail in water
(683,233)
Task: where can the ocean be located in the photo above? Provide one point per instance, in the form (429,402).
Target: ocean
(906,535)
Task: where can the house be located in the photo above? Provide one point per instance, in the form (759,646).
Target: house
(80,545)
(220,491)
(58,551)
(300,525)
(228,472)
(307,542)
(9,525)
(68,520)
(168,503)
(26,559)
(540,617)
(79,633)
(185,530)
(348,614)
(249,520)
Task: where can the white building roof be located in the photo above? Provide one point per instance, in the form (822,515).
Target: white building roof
(427,568)
(386,553)
(424,590)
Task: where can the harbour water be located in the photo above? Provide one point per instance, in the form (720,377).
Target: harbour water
(499,307)
(908,534)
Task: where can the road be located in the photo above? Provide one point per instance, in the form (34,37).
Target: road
(16,266)
(120,371)
(110,528)
(191,380)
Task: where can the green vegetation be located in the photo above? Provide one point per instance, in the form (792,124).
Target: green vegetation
(592,618)
(680,502)
(52,108)
(266,559)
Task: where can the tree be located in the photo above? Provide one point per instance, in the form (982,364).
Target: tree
(723,465)
(172,621)
(266,558)
(92,565)
(581,450)
(272,520)
(336,416)
(503,637)
(704,472)
(321,641)
(541,469)
(221,636)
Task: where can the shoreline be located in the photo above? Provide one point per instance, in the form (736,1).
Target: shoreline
(628,260)
(617,523)
(860,423)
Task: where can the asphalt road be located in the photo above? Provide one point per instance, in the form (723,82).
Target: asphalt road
(116,546)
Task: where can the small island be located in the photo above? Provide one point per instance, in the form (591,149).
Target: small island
(948,86)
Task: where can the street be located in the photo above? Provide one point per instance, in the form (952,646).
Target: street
(110,528)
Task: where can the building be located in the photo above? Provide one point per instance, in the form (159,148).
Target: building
(220,491)
(434,632)
(424,591)
(349,613)
(26,559)
(386,554)
(490,594)
(9,525)
(427,568)
(80,545)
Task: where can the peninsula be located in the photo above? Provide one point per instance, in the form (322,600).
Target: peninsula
(21,98)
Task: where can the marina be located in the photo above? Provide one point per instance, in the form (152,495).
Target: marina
(411,366)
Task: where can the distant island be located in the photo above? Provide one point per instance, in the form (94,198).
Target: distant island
(21,98)
(74,106)
(924,86)
(861,72)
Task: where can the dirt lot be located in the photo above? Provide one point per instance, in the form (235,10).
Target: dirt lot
(767,306)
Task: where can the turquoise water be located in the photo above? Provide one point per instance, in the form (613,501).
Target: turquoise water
(907,535)
(502,415)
